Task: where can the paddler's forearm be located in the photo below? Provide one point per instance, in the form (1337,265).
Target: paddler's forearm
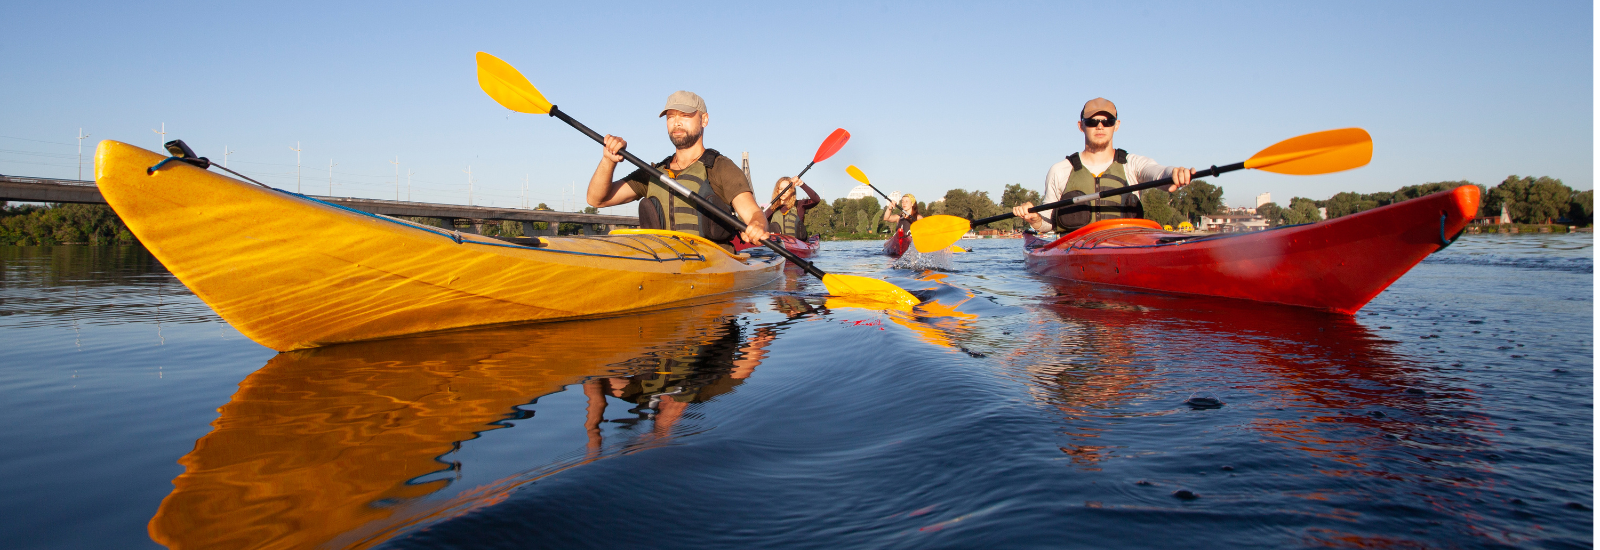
(600,183)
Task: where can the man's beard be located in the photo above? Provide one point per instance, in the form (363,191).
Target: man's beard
(688,140)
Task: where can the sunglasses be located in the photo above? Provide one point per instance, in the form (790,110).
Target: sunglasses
(1096,122)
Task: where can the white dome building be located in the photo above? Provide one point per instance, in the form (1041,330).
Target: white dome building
(861,191)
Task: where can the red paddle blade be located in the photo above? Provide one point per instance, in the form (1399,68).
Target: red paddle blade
(832,145)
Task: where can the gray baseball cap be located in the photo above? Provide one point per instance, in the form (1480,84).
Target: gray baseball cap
(684,101)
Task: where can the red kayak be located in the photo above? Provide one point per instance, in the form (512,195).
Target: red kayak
(803,249)
(1336,265)
(898,244)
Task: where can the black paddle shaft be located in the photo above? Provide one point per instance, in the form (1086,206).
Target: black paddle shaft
(1212,171)
(698,201)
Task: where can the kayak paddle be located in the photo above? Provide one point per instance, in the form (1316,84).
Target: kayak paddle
(511,90)
(1316,153)
(829,146)
(862,177)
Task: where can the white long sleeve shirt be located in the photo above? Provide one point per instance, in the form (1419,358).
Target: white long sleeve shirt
(1140,168)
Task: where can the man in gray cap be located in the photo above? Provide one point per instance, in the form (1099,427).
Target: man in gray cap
(1100,167)
(702,171)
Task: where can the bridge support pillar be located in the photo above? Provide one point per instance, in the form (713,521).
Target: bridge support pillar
(528,230)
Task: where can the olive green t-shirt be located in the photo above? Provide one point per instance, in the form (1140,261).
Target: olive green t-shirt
(726,178)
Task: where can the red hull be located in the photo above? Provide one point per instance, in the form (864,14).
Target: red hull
(897,245)
(1337,265)
(803,249)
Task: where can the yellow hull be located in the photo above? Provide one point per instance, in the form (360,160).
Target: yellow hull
(293,273)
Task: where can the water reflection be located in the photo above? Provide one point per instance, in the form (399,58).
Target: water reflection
(330,446)
(1116,348)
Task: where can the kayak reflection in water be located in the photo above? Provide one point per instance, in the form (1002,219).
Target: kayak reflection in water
(348,445)
(1113,355)
(1100,167)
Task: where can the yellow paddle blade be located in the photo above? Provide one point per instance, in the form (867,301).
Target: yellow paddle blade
(508,87)
(856,173)
(957,249)
(1319,153)
(857,288)
(933,233)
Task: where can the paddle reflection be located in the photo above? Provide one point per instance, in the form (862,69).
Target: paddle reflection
(328,446)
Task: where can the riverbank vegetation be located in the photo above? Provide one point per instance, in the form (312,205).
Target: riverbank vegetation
(61,224)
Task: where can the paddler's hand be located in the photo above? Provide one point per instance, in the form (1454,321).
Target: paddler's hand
(1021,211)
(1180,179)
(755,231)
(613,149)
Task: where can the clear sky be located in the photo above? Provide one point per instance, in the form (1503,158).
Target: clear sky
(937,96)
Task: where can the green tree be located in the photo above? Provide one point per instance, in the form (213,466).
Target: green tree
(1016,195)
(969,204)
(1580,210)
(1346,203)
(1199,198)
(819,219)
(1270,212)
(1301,210)
(1158,207)
(1529,200)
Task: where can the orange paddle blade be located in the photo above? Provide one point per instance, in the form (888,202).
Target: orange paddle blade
(1318,153)
(934,233)
(862,289)
(508,87)
(832,145)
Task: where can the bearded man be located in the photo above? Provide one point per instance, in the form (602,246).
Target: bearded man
(704,172)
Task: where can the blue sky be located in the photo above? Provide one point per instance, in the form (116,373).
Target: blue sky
(937,96)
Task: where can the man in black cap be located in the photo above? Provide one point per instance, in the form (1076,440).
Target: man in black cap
(702,171)
(1100,167)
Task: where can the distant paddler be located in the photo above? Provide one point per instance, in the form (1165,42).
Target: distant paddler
(787,215)
(1100,167)
(705,172)
(905,215)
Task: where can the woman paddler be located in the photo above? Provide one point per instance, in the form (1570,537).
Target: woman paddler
(908,204)
(787,215)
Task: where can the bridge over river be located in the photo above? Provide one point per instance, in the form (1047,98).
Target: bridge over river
(464,218)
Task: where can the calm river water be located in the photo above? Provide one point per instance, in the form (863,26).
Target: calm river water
(1013,411)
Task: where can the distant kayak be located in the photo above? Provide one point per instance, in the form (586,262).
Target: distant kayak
(291,272)
(804,249)
(898,244)
(1336,265)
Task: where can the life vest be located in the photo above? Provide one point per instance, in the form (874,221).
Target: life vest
(787,222)
(1083,182)
(660,209)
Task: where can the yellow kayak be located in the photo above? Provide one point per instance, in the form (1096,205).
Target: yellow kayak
(291,272)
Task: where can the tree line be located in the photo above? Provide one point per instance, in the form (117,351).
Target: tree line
(1527,199)
(61,224)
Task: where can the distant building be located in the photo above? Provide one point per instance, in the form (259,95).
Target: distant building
(861,191)
(1263,199)
(1323,212)
(1232,223)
